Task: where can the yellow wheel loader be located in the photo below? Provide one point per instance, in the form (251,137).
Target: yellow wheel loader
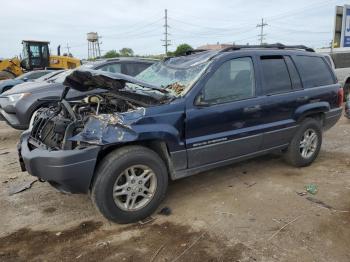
(35,56)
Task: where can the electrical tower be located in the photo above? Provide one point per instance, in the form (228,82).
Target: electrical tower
(262,35)
(166,34)
(93,45)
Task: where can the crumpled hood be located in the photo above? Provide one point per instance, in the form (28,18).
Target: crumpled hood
(88,79)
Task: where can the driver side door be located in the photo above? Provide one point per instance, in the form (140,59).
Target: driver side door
(224,122)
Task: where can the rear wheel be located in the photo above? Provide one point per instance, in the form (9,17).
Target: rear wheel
(130,184)
(306,143)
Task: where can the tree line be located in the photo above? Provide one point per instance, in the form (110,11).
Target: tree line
(124,52)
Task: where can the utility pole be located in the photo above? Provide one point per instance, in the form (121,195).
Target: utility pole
(166,34)
(262,35)
(68,48)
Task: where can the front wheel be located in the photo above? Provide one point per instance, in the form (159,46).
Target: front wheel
(306,143)
(130,184)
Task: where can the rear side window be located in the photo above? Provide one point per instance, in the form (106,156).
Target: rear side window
(275,75)
(314,71)
(293,73)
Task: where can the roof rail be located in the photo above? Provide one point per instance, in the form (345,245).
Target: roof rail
(272,46)
(194,51)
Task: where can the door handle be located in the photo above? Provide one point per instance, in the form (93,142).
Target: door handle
(302,98)
(252,109)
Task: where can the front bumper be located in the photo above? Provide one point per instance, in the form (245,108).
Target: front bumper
(8,114)
(332,117)
(67,170)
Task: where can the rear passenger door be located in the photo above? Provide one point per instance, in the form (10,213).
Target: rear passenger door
(283,93)
(222,124)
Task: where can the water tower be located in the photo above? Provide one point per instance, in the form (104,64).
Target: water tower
(93,45)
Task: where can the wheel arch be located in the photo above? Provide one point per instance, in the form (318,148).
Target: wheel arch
(160,147)
(314,110)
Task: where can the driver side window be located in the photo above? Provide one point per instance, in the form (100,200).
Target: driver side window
(233,80)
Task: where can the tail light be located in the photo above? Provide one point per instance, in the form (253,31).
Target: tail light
(340,97)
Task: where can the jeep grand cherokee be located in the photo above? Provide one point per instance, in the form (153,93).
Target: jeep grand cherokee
(180,117)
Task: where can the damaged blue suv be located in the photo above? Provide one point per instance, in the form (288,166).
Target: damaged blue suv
(179,117)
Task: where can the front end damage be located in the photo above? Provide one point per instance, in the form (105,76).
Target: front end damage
(63,142)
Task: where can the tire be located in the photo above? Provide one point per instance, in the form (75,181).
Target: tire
(296,155)
(111,176)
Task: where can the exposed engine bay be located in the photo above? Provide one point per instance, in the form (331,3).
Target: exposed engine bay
(53,127)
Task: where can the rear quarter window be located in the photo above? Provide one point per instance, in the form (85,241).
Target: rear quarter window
(314,71)
(275,75)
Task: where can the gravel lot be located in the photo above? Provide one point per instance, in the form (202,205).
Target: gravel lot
(245,212)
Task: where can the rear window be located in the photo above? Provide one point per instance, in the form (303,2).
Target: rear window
(275,75)
(314,71)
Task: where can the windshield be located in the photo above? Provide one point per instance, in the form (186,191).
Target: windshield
(162,75)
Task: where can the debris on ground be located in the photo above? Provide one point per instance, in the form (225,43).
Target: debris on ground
(324,205)
(146,220)
(103,244)
(250,184)
(279,230)
(311,188)
(301,193)
(21,187)
(166,211)
(4,153)
(320,202)
(157,252)
(9,179)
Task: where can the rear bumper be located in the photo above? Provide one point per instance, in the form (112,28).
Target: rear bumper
(332,117)
(67,170)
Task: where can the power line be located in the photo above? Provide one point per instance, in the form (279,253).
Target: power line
(261,35)
(166,34)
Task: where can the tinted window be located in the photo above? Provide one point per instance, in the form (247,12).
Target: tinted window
(113,68)
(233,80)
(275,75)
(293,73)
(134,69)
(314,71)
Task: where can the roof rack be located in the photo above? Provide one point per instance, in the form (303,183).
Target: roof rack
(272,46)
(194,51)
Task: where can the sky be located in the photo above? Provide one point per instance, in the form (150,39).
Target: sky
(139,24)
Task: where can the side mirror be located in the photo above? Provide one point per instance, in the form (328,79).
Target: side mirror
(200,101)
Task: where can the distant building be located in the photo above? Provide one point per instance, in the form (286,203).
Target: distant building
(216,46)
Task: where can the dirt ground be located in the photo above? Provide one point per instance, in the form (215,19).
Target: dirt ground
(252,211)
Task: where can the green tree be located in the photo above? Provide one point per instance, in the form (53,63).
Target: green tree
(126,51)
(182,49)
(111,54)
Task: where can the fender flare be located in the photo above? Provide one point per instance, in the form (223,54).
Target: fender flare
(310,109)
